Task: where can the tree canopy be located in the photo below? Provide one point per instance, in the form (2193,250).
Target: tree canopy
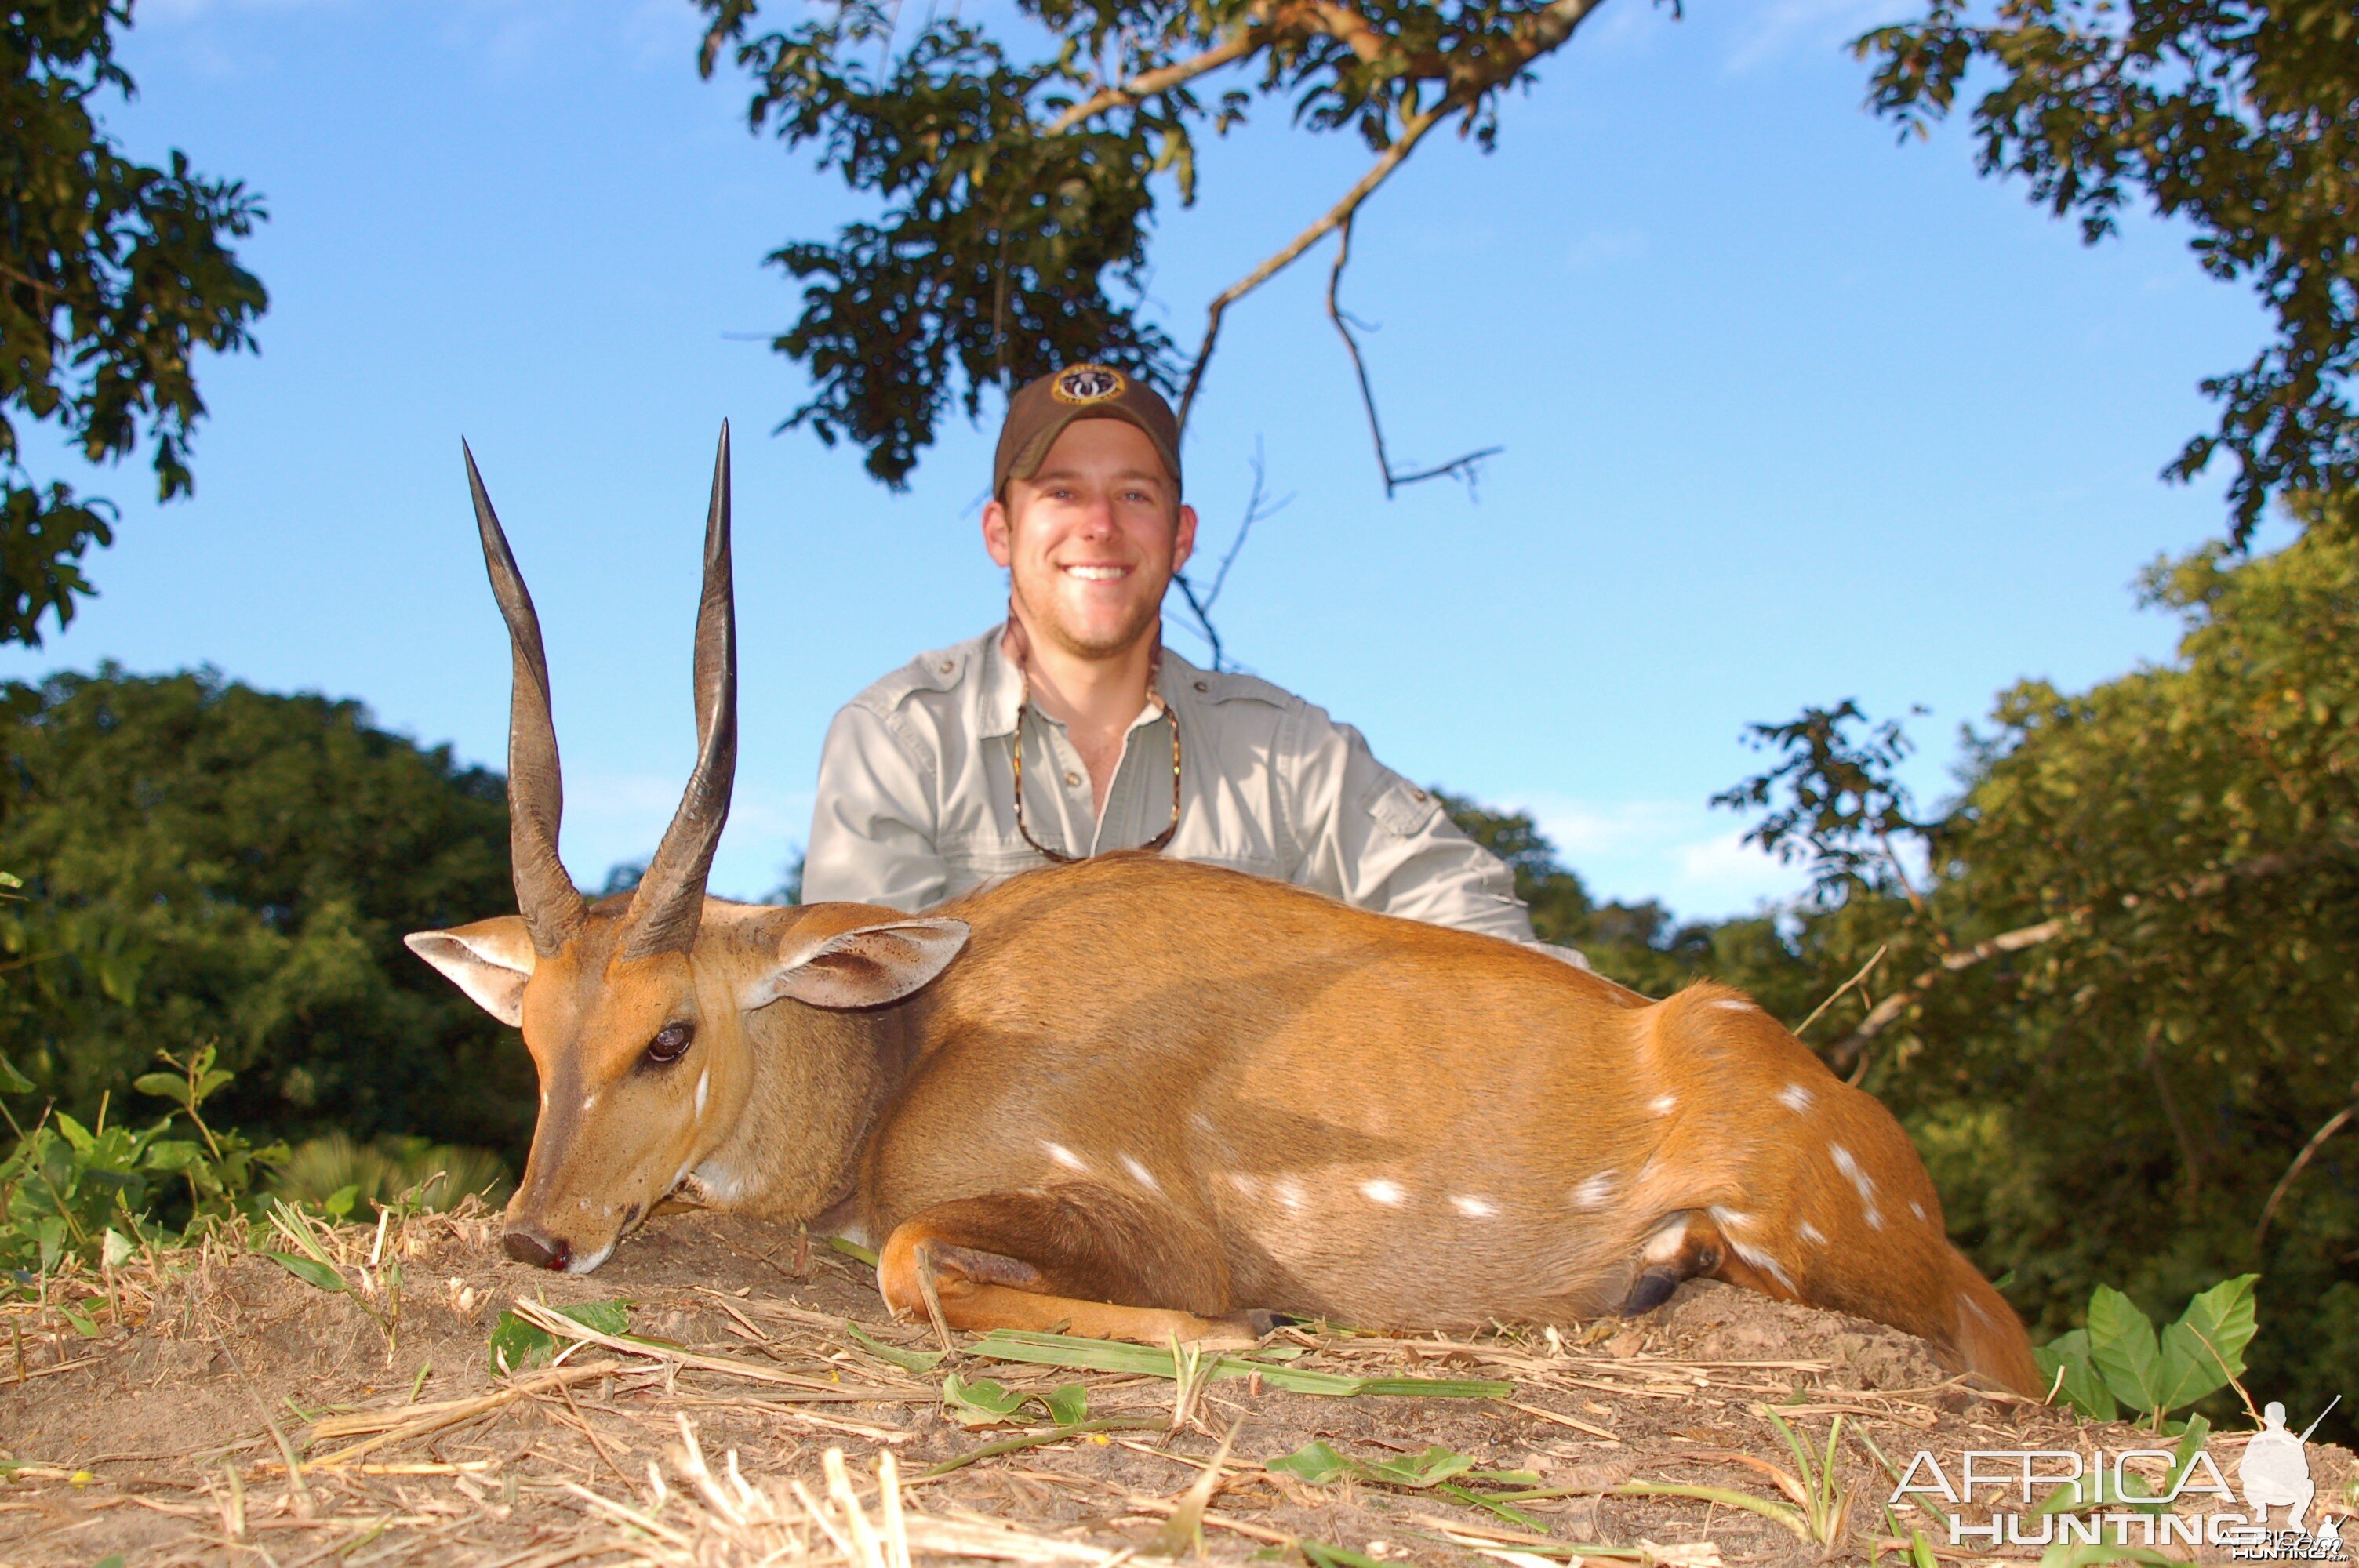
(1021,170)
(113,273)
(205,862)
(2240,117)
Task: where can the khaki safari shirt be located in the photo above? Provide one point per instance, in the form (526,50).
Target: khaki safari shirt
(917,799)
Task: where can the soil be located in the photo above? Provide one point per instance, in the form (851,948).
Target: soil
(159,1427)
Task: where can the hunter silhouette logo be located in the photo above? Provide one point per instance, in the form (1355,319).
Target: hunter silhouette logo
(2275,1471)
(2275,1468)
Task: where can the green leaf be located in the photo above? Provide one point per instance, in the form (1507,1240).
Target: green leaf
(340,1203)
(1314,1461)
(1419,1471)
(1067,1406)
(164,1086)
(2082,1386)
(2123,1348)
(907,1360)
(2205,1348)
(83,1323)
(1321,1555)
(115,1249)
(984,1402)
(311,1270)
(12,1081)
(600,1317)
(2190,1444)
(517,1345)
(76,1135)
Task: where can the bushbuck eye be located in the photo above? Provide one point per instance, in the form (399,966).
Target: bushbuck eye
(670,1042)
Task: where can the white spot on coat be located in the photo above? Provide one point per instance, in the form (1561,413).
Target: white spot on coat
(1734,1004)
(1667,1243)
(1290,1192)
(1811,1233)
(1664,1105)
(704,1083)
(1730,1218)
(1917,1208)
(1594,1191)
(1875,1220)
(1473,1208)
(1849,1168)
(1242,1182)
(719,1181)
(1796,1098)
(1381,1190)
(1765,1263)
(588,1100)
(1064,1156)
(1140,1173)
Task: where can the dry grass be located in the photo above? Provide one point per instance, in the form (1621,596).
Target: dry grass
(210,1407)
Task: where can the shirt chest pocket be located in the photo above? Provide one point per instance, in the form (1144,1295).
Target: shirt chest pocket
(1399,806)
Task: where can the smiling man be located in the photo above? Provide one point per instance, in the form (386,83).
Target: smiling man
(1069,730)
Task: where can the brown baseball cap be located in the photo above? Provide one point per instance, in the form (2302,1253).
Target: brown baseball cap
(1041,409)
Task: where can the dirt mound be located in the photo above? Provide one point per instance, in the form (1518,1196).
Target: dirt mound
(155,1412)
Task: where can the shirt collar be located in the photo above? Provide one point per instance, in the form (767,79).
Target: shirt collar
(1001,694)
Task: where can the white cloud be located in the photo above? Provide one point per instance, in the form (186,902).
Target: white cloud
(1785,27)
(1603,246)
(1683,854)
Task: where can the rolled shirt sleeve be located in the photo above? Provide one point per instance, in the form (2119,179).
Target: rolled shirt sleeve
(1376,841)
(874,835)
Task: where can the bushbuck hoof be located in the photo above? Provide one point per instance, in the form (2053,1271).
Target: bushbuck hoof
(525,1248)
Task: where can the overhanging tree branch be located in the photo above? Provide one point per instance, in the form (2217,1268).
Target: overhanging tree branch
(1463,467)
(1412,132)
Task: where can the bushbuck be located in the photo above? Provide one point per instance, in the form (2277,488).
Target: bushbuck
(1142,1098)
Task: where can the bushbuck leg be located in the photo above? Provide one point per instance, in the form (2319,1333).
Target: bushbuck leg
(1069,1257)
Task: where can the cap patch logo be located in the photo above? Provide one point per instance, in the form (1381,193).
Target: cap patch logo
(1088,383)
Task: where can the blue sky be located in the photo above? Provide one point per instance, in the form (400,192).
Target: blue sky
(1791,413)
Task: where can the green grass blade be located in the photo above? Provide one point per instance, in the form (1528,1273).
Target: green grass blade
(1146,1360)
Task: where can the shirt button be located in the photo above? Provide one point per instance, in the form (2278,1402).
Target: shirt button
(945,666)
(1072,780)
(1201,687)
(1418,795)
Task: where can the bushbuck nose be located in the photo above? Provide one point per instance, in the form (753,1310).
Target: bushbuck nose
(525,1248)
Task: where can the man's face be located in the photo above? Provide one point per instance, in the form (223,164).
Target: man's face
(1091,540)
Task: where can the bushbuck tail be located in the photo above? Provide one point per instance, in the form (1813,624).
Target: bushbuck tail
(1143,1098)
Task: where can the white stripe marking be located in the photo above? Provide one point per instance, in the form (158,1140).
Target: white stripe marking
(1381,1191)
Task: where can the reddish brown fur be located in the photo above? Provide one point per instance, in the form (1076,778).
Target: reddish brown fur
(1241,1075)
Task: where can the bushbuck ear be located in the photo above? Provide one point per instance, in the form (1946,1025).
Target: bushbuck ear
(489,961)
(864,967)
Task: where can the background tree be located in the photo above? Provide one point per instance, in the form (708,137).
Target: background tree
(2117,1018)
(207,862)
(1020,173)
(2240,117)
(112,274)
